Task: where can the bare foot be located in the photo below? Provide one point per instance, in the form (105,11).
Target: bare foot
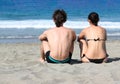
(42,60)
(85,60)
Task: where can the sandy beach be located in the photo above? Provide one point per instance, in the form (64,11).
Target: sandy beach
(19,64)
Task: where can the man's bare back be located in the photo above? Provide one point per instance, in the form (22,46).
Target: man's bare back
(57,43)
(61,42)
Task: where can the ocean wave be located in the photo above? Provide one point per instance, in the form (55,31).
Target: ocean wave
(113,34)
(17,37)
(49,23)
(36,37)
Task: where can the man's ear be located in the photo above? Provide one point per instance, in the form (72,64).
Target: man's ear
(54,20)
(89,21)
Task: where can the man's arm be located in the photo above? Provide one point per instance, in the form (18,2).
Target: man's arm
(74,36)
(43,36)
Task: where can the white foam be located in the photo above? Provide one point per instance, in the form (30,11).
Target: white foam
(26,24)
(114,34)
(17,37)
(49,23)
(110,25)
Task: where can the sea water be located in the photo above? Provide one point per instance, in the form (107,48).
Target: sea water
(24,20)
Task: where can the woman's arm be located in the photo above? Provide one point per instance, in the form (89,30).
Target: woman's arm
(81,36)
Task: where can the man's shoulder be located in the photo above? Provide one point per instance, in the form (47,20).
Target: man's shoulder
(50,29)
(69,29)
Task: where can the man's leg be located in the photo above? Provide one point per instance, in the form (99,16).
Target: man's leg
(43,49)
(83,49)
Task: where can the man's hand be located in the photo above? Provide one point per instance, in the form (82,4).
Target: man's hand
(42,60)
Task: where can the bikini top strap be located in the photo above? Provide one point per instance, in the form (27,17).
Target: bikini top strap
(98,39)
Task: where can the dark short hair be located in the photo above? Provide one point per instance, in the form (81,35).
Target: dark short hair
(94,18)
(59,17)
